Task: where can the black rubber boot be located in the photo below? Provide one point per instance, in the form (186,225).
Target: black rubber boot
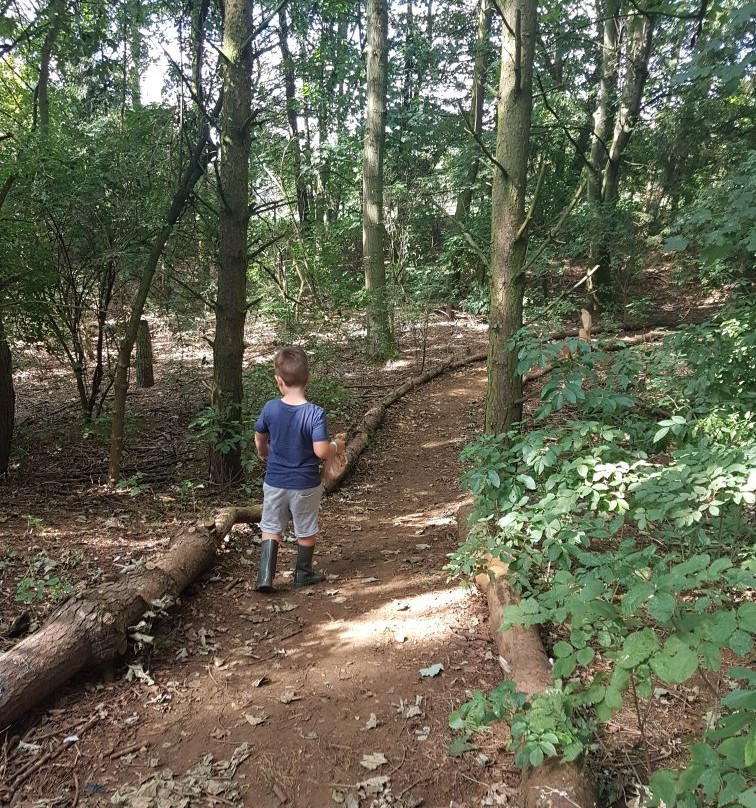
(267,571)
(304,575)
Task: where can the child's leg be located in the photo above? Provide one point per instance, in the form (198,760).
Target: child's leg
(275,516)
(304,574)
(268,558)
(305,508)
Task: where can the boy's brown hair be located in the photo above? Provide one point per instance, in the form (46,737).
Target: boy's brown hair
(291,365)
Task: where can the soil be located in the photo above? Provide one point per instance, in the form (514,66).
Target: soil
(336,694)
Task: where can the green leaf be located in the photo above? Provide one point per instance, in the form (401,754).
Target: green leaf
(664,786)
(676,662)
(747,617)
(637,648)
(748,798)
(675,244)
(459,746)
(662,607)
(750,748)
(613,698)
(741,643)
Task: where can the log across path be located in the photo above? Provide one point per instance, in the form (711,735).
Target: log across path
(340,691)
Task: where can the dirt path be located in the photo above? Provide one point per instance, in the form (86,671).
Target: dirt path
(307,688)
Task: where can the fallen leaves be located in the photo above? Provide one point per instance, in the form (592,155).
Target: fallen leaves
(374,760)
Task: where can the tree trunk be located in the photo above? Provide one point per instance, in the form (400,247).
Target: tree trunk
(7,391)
(55,12)
(379,336)
(91,630)
(144,374)
(639,36)
(191,175)
(287,65)
(603,115)
(508,233)
(7,403)
(231,302)
(482,61)
(135,20)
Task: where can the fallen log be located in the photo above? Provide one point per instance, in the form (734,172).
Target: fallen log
(92,628)
(373,418)
(555,783)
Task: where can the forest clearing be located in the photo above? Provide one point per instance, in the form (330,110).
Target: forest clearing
(516,244)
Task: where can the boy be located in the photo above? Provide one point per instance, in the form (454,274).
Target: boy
(292,435)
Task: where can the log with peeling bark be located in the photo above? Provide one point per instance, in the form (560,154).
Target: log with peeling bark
(91,629)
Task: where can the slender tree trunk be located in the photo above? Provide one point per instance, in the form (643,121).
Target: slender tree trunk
(603,115)
(55,12)
(7,403)
(231,302)
(144,372)
(303,199)
(7,391)
(639,51)
(380,340)
(509,236)
(482,62)
(135,20)
(191,175)
(639,35)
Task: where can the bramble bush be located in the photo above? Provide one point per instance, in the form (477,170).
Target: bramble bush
(630,535)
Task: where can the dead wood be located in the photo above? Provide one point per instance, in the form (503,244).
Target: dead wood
(91,630)
(375,415)
(555,783)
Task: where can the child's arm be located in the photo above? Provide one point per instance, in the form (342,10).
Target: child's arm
(325,449)
(261,444)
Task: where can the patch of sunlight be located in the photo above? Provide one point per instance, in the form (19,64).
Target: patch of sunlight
(397,364)
(416,618)
(438,444)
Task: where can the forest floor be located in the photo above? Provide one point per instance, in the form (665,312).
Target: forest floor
(337,694)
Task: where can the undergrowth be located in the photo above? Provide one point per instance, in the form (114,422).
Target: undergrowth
(627,528)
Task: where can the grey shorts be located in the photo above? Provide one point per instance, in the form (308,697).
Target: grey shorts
(282,504)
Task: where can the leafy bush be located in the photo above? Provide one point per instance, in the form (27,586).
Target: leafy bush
(631,532)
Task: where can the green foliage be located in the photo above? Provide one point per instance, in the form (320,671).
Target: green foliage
(40,582)
(134,484)
(719,225)
(722,767)
(223,436)
(629,534)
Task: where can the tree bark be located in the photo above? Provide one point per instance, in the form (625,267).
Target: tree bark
(603,115)
(231,302)
(638,51)
(55,12)
(287,65)
(480,69)
(91,630)
(379,336)
(144,374)
(7,403)
(193,172)
(508,233)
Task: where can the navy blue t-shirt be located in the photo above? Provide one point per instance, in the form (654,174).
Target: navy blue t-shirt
(291,430)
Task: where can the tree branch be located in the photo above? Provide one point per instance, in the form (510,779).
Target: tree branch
(558,226)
